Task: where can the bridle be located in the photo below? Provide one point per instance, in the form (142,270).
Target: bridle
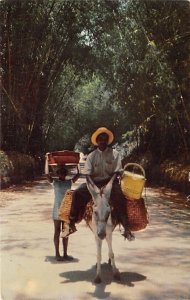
(100,220)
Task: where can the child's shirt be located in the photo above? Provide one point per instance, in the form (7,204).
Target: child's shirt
(60,188)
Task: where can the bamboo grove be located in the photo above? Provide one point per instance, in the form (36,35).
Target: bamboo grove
(69,66)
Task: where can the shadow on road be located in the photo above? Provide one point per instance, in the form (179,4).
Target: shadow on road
(52,260)
(127,278)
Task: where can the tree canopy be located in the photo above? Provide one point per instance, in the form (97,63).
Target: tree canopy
(71,66)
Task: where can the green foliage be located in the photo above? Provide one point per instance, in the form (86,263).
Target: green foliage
(5,168)
(88,108)
(145,60)
(72,66)
(16,167)
(40,39)
(175,174)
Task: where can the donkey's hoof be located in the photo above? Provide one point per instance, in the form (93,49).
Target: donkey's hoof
(97,279)
(109,261)
(117,276)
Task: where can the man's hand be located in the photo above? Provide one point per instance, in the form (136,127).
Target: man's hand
(119,173)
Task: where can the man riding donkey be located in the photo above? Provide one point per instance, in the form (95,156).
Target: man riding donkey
(100,165)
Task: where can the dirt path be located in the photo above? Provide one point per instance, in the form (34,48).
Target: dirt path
(155,266)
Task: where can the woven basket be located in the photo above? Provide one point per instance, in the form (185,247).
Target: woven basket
(132,184)
(88,212)
(137,214)
(65,207)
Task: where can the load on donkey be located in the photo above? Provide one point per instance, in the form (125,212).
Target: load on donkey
(100,166)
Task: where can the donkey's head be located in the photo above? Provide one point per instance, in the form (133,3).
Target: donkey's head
(101,207)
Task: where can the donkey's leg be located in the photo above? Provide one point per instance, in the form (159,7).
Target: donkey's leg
(116,273)
(99,257)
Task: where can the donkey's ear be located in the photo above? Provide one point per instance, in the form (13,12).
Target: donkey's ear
(93,189)
(108,187)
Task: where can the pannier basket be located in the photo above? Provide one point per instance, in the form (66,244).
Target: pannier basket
(65,207)
(132,184)
(137,214)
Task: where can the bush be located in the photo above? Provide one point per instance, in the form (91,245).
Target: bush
(176,175)
(16,167)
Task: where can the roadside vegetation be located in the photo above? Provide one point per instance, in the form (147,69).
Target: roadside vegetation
(69,67)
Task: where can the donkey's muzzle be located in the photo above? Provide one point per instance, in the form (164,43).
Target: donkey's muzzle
(101,234)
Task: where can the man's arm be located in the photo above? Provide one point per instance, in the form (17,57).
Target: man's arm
(88,167)
(118,170)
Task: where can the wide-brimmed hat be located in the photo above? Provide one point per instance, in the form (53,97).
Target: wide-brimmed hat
(100,131)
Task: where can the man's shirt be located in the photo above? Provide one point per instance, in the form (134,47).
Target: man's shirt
(102,164)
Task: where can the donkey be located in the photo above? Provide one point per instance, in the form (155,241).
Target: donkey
(101,223)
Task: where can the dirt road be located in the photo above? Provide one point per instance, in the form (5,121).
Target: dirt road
(155,266)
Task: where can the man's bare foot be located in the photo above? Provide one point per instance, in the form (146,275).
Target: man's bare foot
(72,228)
(128,235)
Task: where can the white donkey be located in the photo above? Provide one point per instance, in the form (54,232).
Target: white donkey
(102,225)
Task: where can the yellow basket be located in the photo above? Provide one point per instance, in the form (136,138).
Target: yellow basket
(132,184)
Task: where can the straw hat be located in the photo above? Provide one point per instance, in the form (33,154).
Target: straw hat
(98,132)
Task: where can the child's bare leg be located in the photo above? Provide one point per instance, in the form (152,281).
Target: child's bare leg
(65,246)
(57,229)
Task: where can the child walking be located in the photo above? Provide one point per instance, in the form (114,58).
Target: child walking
(60,185)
